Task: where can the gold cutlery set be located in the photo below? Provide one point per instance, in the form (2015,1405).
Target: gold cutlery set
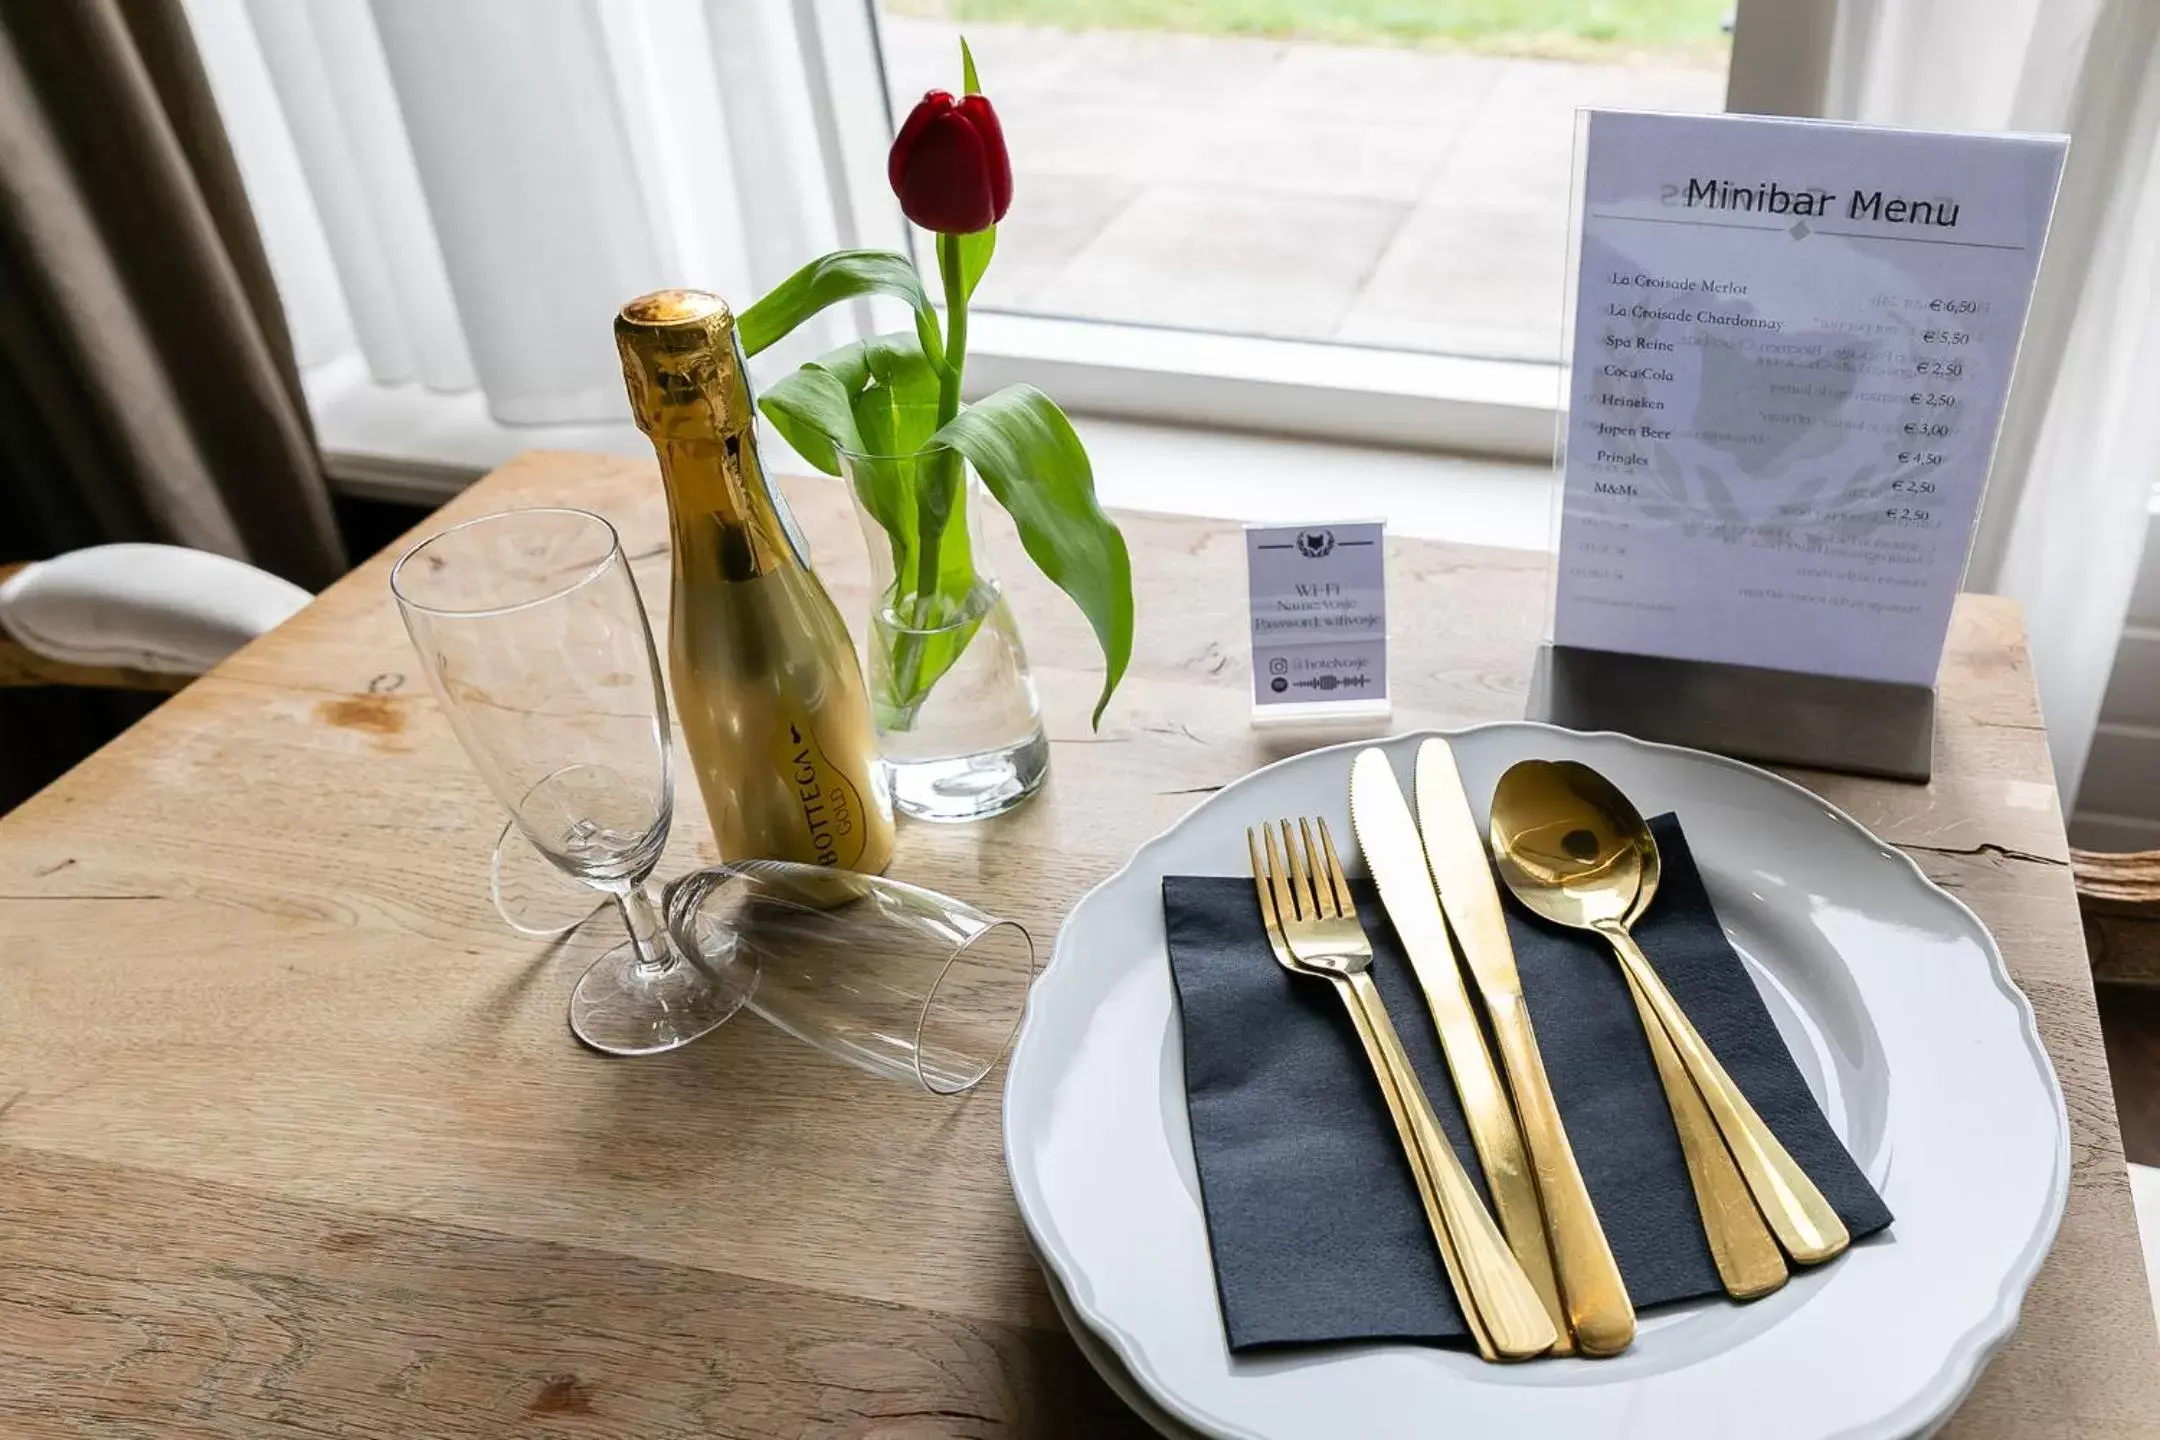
(1574,850)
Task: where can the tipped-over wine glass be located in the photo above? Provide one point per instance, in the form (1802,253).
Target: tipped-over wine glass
(530,629)
(897,980)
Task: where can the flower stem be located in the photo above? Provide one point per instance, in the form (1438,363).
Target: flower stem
(938,494)
(935,505)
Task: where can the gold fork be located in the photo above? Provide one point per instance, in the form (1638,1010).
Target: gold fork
(1312,925)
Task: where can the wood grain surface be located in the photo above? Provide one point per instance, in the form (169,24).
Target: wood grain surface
(294,1140)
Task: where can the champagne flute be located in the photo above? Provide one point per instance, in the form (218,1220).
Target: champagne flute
(529,627)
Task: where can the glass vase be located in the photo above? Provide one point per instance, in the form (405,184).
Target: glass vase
(959,727)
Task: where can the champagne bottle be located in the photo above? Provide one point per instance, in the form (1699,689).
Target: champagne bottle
(767,690)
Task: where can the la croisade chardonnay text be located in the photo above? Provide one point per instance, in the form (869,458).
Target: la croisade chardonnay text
(770,698)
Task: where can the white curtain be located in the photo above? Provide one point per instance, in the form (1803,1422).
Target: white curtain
(464,191)
(2064,523)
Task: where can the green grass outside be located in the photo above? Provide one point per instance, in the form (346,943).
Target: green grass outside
(1562,29)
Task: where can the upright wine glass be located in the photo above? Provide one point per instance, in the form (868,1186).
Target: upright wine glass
(530,629)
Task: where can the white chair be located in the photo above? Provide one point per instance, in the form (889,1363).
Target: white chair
(135,617)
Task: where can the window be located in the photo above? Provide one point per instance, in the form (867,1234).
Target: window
(1350,227)
(1348,171)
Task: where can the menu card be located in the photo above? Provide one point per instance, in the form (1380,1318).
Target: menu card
(1792,343)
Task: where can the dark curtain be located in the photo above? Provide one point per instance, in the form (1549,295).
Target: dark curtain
(147,384)
(153,391)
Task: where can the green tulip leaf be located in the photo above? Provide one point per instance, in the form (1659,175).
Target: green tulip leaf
(878,400)
(855,363)
(975,253)
(895,397)
(893,390)
(875,397)
(895,394)
(885,486)
(970,85)
(810,408)
(842,275)
(1027,454)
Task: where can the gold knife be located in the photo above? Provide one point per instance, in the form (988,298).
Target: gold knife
(1598,1309)
(1388,835)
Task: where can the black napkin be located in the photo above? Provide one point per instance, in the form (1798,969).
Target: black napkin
(1312,1214)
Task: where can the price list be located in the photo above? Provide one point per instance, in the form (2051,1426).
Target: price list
(1792,345)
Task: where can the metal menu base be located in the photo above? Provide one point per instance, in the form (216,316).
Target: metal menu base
(1864,727)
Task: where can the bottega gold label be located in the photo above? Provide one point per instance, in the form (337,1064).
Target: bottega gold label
(832,808)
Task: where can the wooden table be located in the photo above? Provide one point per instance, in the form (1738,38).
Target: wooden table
(294,1139)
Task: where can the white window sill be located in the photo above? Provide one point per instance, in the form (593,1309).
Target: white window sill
(1310,389)
(410,444)
(415,446)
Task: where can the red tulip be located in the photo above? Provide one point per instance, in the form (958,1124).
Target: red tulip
(949,166)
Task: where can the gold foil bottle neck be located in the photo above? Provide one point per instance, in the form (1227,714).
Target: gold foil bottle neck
(682,365)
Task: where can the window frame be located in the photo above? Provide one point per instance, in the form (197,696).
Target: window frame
(1461,404)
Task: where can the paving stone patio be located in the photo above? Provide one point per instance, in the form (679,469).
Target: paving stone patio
(1389,197)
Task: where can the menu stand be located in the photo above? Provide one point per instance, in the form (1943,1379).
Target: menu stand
(1788,348)
(1785,717)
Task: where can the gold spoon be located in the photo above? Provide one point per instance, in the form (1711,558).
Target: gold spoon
(1571,847)
(1747,1255)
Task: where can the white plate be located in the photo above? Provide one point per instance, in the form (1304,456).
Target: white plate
(1897,1007)
(1108,1366)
